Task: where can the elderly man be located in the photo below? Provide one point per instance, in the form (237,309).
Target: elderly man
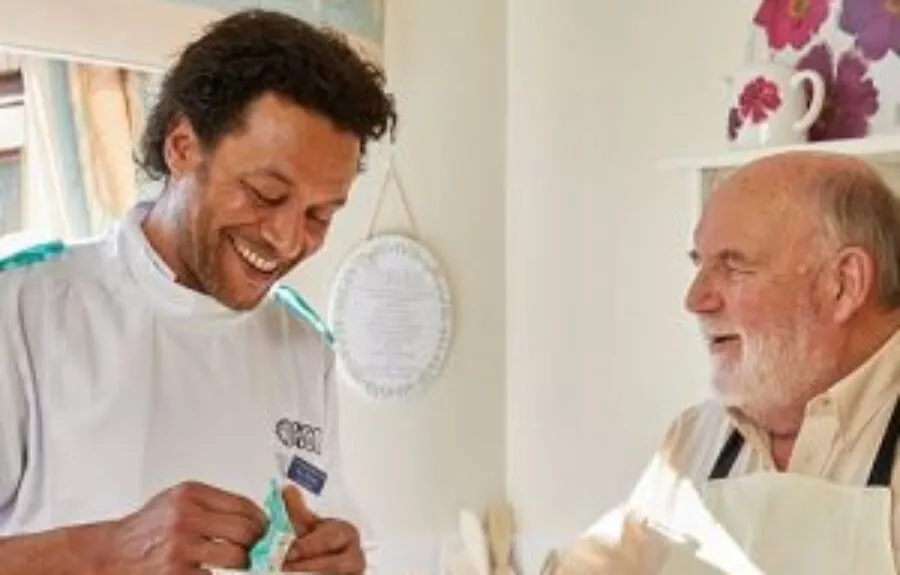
(155,382)
(790,471)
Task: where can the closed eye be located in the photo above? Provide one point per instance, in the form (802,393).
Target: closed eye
(260,196)
(735,262)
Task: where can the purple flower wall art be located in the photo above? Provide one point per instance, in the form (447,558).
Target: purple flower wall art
(875,25)
(851,97)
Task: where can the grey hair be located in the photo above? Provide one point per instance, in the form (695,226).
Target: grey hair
(859,208)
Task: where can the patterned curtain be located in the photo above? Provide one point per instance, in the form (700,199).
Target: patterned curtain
(82,123)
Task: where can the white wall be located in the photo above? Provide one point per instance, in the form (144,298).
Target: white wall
(599,353)
(141,33)
(413,464)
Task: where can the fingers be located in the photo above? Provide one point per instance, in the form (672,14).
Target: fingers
(351,561)
(301,516)
(220,554)
(232,529)
(215,515)
(330,536)
(222,502)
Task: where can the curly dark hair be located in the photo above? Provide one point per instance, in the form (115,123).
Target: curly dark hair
(254,52)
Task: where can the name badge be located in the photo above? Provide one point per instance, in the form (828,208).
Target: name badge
(307,475)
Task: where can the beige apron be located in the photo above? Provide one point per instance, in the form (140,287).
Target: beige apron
(790,524)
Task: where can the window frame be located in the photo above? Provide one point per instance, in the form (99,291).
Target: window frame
(12,102)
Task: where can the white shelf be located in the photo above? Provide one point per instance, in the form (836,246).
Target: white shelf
(882,148)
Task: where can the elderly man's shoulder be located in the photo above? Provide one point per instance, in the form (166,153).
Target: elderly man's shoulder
(695,436)
(703,414)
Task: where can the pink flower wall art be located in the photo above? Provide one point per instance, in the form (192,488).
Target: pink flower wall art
(854,45)
(791,22)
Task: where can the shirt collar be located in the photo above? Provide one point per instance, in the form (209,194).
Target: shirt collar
(857,398)
(853,401)
(156,278)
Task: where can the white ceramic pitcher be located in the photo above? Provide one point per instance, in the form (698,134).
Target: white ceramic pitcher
(768,105)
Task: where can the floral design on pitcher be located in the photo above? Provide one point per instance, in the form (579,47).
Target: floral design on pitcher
(851,97)
(735,123)
(758,99)
(792,22)
(875,24)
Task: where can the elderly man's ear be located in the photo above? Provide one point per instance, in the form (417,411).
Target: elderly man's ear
(853,279)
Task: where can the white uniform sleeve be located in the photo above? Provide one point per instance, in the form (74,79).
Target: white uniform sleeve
(13,405)
(634,539)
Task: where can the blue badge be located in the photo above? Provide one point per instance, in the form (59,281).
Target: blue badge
(307,475)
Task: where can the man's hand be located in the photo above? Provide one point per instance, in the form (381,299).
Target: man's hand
(323,545)
(182,529)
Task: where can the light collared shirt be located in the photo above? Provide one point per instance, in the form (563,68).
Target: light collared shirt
(838,440)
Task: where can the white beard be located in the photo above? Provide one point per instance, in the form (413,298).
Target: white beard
(776,370)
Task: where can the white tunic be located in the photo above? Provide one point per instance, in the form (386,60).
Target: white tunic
(117,383)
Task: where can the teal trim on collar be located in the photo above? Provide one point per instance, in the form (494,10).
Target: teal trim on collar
(298,306)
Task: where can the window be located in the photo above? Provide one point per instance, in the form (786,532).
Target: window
(10,187)
(12,136)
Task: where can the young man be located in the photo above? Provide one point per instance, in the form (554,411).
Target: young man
(154,381)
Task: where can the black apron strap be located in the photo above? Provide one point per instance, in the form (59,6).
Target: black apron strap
(883,466)
(727,456)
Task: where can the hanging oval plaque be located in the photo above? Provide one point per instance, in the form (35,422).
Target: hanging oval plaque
(391,314)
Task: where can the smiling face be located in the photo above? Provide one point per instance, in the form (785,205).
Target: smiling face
(238,217)
(760,254)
